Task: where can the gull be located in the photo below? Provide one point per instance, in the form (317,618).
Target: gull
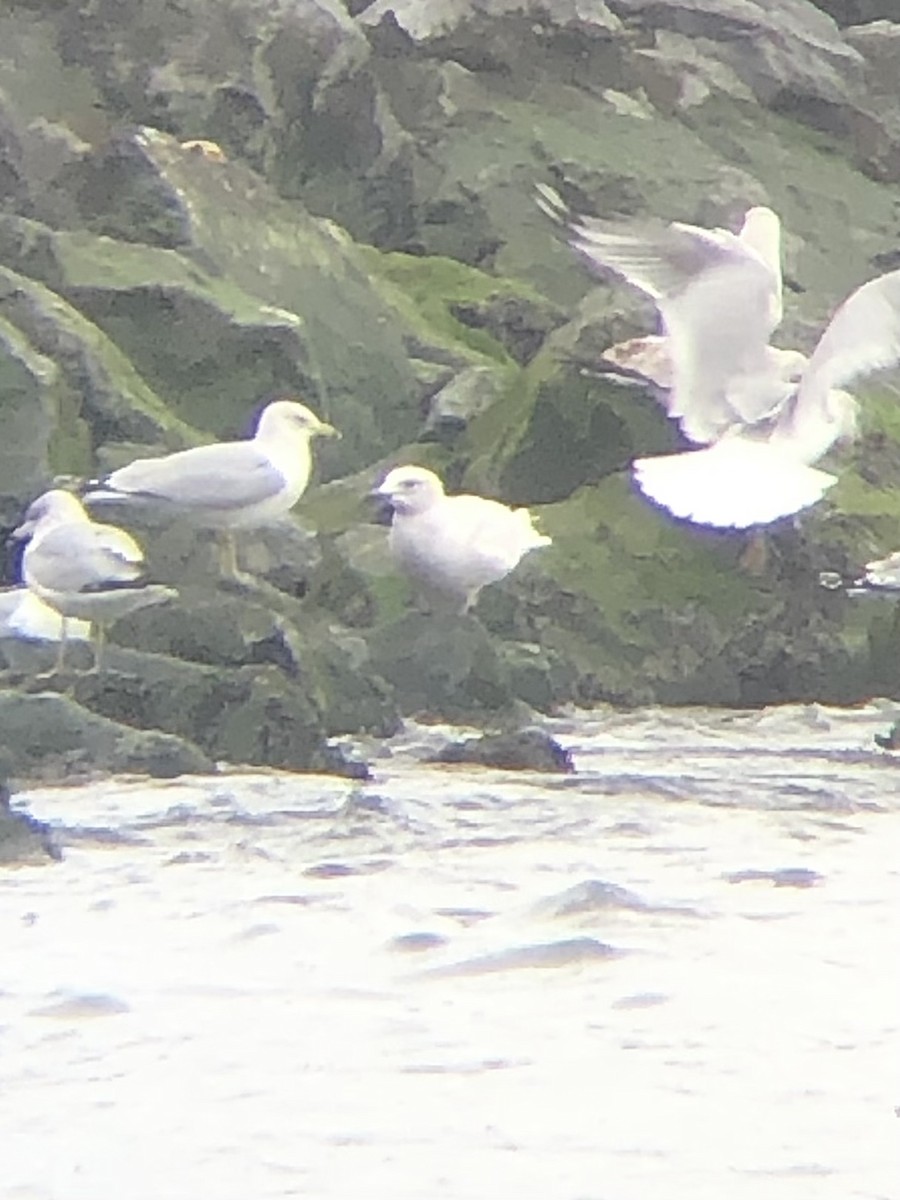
(82,569)
(763,416)
(227,485)
(650,357)
(453,546)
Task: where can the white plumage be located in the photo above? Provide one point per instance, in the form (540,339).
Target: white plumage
(453,546)
(765,416)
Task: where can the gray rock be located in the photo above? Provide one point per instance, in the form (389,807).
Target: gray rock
(48,736)
(461,400)
(23,839)
(523,750)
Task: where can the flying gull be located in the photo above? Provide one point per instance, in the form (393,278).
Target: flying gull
(764,416)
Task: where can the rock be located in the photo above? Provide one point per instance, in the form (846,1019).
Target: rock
(889,740)
(51,737)
(855,12)
(524,750)
(471,392)
(293,284)
(519,323)
(444,666)
(22,838)
(152,291)
(494,34)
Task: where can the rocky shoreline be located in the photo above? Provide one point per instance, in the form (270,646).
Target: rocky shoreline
(336,201)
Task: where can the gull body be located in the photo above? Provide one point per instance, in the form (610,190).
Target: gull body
(227,485)
(82,569)
(763,416)
(453,546)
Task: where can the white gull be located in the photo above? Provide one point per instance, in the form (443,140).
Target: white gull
(453,546)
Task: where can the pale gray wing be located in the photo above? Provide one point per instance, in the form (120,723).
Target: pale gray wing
(82,557)
(230,475)
(714,294)
(659,260)
(863,336)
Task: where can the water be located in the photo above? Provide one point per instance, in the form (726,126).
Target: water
(670,975)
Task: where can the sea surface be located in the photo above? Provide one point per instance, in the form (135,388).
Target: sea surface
(672,974)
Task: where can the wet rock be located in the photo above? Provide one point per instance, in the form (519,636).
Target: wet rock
(443,665)
(50,736)
(523,750)
(889,740)
(22,838)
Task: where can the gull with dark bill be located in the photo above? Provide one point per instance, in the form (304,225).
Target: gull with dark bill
(763,416)
(82,569)
(228,485)
(453,546)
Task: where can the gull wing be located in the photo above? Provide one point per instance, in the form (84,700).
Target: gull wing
(81,557)
(230,475)
(714,294)
(863,336)
(492,531)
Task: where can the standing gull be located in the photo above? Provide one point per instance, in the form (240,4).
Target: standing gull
(764,416)
(453,546)
(228,485)
(82,569)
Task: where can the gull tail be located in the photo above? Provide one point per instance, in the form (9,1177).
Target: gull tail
(530,537)
(732,484)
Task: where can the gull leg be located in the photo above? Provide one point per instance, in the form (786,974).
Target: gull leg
(228,560)
(754,558)
(99,632)
(61,653)
(228,553)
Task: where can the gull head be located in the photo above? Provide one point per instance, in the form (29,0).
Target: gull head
(282,418)
(55,507)
(410,489)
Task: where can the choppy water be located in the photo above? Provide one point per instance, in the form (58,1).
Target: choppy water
(671,975)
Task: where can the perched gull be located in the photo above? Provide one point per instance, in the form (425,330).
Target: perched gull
(82,569)
(764,415)
(453,545)
(228,485)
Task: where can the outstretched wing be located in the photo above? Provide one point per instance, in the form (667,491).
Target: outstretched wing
(715,299)
(719,297)
(863,336)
